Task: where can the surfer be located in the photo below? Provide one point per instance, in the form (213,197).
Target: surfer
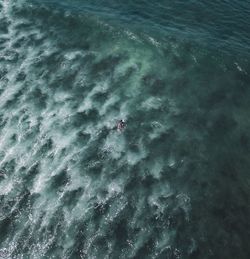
(121,125)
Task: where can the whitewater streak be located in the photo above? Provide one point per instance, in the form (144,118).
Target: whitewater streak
(73,187)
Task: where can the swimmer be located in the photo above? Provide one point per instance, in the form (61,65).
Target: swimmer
(121,125)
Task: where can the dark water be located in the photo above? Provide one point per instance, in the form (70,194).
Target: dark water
(175,183)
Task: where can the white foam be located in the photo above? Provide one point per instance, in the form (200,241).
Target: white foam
(154,41)
(40,183)
(171,161)
(134,158)
(131,35)
(5,187)
(36,127)
(112,100)
(240,68)
(184,202)
(156,168)
(152,103)
(114,188)
(114,145)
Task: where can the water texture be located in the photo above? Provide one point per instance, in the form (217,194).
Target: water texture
(175,183)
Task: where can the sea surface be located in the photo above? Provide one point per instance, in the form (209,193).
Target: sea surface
(175,183)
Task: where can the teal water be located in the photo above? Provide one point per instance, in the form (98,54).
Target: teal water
(175,183)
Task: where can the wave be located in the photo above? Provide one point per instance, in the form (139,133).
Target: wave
(71,186)
(218,25)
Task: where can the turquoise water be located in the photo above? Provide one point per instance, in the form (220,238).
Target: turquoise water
(175,182)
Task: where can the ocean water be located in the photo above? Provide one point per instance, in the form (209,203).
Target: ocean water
(175,183)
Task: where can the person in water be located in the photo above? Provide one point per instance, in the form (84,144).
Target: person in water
(121,125)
